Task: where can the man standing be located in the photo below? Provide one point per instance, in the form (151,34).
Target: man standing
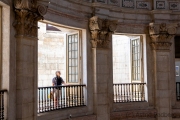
(57,81)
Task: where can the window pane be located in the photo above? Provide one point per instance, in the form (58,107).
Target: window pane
(69,39)
(73,58)
(70,54)
(136,59)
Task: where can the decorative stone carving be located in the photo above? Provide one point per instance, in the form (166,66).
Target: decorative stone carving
(24,4)
(160,4)
(142,5)
(101,1)
(114,2)
(161,35)
(27,15)
(101,31)
(128,3)
(174,6)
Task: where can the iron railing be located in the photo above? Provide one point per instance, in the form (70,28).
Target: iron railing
(129,92)
(178,91)
(2,105)
(59,97)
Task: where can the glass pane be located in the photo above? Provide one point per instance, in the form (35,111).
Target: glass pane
(76,70)
(72,38)
(76,46)
(76,62)
(73,62)
(73,58)
(73,46)
(69,39)
(70,54)
(70,71)
(69,47)
(69,78)
(75,54)
(136,59)
(76,38)
(76,78)
(70,64)
(73,69)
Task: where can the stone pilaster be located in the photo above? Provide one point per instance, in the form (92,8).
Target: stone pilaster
(161,40)
(101,36)
(101,31)
(27,14)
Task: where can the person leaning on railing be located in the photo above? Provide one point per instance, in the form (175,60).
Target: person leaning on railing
(57,81)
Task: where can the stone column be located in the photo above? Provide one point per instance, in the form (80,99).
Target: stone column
(101,36)
(27,15)
(161,37)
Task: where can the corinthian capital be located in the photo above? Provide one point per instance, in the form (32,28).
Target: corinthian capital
(101,31)
(27,15)
(25,4)
(161,35)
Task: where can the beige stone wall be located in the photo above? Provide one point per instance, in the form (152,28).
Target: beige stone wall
(121,59)
(51,55)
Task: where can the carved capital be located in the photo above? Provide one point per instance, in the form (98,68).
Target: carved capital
(161,35)
(27,14)
(101,31)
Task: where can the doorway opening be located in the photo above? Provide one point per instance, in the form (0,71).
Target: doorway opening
(177,66)
(129,68)
(60,49)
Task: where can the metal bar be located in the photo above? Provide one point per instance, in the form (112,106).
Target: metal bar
(179,91)
(45,99)
(80,96)
(51,98)
(76,95)
(126,92)
(118,93)
(2,105)
(39,101)
(69,96)
(47,108)
(115,93)
(61,95)
(66,96)
(138,91)
(131,92)
(121,93)
(83,96)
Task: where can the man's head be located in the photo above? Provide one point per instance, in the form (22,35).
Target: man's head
(58,73)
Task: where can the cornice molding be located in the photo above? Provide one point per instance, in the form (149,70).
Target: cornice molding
(101,31)
(161,35)
(27,14)
(67,15)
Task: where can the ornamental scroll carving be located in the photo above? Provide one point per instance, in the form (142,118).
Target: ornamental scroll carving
(101,31)
(27,14)
(161,35)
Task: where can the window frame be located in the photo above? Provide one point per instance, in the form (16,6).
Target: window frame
(78,57)
(140,59)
